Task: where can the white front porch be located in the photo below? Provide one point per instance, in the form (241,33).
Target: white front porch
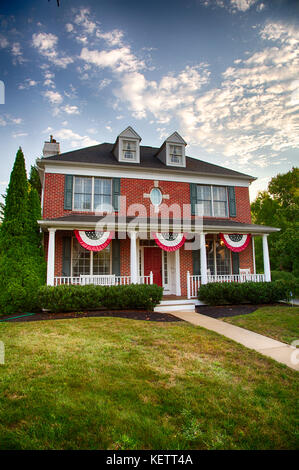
(141,272)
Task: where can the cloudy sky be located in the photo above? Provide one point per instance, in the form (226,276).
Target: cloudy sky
(223,73)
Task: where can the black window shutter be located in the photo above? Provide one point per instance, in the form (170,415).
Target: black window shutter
(235,262)
(66,256)
(115,193)
(196,262)
(116,257)
(68,192)
(232,201)
(193,198)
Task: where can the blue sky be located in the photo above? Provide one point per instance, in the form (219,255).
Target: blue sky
(223,73)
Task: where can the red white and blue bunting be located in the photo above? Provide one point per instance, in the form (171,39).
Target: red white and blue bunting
(169,241)
(235,241)
(93,240)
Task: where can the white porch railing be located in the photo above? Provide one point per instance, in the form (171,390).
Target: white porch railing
(194,281)
(102,280)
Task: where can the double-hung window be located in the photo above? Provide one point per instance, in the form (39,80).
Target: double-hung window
(212,201)
(90,263)
(176,154)
(92,194)
(83,194)
(129,150)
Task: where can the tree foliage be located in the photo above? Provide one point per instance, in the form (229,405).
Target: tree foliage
(22,265)
(34,179)
(279,207)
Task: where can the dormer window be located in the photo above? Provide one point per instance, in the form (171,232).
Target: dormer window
(176,154)
(129,150)
(127,146)
(172,151)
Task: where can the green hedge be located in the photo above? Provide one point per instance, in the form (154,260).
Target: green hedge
(77,298)
(219,293)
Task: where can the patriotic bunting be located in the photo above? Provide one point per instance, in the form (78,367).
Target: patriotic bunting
(169,241)
(235,241)
(93,240)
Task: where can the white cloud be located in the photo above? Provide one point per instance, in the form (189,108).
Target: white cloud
(76,140)
(19,134)
(118,60)
(233,6)
(17,120)
(82,18)
(3,42)
(103,83)
(113,38)
(46,44)
(69,27)
(54,97)
(17,53)
(3,122)
(252,114)
(242,5)
(71,109)
(28,83)
(173,94)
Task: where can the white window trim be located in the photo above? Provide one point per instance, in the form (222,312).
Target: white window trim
(91,259)
(168,160)
(92,193)
(121,150)
(212,201)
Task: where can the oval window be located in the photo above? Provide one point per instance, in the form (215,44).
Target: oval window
(156,196)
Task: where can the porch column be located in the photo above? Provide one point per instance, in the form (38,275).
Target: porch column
(253,255)
(51,257)
(203,259)
(267,270)
(177,272)
(133,258)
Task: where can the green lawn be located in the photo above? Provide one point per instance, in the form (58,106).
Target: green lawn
(281,323)
(112,383)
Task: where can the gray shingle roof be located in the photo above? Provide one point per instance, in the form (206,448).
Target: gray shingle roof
(102,154)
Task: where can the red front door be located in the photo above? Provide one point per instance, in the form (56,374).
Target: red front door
(153,262)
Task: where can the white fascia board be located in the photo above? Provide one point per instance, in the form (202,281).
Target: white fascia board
(149,174)
(144,227)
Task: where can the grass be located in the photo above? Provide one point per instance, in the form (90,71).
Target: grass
(111,383)
(281,323)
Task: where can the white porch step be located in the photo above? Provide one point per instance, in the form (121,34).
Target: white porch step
(175,305)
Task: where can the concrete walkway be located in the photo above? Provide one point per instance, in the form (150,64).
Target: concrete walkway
(281,352)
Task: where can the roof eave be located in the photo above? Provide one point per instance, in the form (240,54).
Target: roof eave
(144,227)
(43,161)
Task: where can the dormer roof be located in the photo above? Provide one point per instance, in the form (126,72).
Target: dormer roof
(129,133)
(176,138)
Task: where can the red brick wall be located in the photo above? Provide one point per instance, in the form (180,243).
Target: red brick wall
(246,258)
(134,189)
(243,205)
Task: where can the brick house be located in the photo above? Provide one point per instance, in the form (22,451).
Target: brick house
(126,213)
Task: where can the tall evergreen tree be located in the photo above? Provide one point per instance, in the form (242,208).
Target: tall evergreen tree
(34,179)
(22,266)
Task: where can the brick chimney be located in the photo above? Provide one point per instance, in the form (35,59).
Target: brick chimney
(51,148)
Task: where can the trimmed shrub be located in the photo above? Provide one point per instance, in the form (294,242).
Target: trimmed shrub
(282,275)
(219,293)
(76,298)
